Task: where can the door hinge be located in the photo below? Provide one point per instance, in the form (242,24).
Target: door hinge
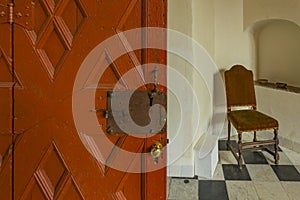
(21,15)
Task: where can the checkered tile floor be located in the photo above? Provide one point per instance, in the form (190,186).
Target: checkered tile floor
(259,178)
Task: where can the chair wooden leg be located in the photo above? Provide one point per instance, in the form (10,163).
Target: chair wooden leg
(276,156)
(254,138)
(240,149)
(228,138)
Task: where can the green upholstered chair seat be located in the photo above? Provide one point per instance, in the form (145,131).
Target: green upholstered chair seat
(251,120)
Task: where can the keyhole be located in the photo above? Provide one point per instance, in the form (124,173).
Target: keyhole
(151,99)
(154,91)
(155,160)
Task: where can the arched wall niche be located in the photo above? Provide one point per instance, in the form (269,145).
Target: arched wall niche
(276,47)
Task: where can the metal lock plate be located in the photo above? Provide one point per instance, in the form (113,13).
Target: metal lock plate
(130,112)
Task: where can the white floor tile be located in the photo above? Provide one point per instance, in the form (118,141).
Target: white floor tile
(294,157)
(262,173)
(283,159)
(218,175)
(181,190)
(241,190)
(270,191)
(226,157)
(292,189)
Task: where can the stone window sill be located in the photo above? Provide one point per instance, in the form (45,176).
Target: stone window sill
(278,86)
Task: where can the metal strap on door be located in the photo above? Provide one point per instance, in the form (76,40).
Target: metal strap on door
(21,15)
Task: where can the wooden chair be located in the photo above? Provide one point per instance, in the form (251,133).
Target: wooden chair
(240,92)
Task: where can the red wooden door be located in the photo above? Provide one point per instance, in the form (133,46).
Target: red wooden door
(6,109)
(44,48)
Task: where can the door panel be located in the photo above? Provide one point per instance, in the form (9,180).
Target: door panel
(6,115)
(52,161)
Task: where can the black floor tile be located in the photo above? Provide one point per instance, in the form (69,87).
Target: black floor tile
(254,157)
(212,190)
(233,172)
(286,172)
(272,148)
(223,145)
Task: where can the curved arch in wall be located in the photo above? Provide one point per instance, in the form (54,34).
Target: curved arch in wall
(276,45)
(257,10)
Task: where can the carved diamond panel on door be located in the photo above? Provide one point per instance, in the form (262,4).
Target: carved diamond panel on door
(52,179)
(34,191)
(5,169)
(51,172)
(54,160)
(56,27)
(52,50)
(5,70)
(73,8)
(70,191)
(6,74)
(128,22)
(40,21)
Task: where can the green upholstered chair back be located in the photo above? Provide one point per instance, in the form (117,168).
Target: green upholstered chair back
(239,87)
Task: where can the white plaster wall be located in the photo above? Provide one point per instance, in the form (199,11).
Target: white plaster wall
(285,107)
(203,16)
(232,44)
(204,34)
(204,24)
(181,18)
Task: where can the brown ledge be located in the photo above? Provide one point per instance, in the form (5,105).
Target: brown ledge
(277,86)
